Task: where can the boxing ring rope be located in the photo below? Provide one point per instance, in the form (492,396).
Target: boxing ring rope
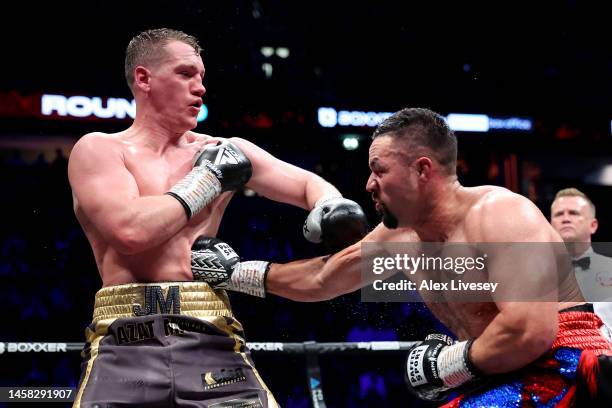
(310,349)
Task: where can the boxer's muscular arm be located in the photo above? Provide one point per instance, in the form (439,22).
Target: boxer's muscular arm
(281,181)
(523,330)
(327,277)
(107,194)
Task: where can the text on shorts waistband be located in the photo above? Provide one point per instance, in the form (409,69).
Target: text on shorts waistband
(196,299)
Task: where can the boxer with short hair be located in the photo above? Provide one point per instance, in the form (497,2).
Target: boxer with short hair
(510,352)
(143,196)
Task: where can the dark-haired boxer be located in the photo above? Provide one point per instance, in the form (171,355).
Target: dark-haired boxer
(142,196)
(523,346)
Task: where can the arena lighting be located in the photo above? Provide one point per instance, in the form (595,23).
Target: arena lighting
(282,52)
(463,122)
(518,124)
(203,113)
(327,117)
(267,68)
(350,142)
(330,117)
(468,123)
(267,51)
(601,176)
(84,107)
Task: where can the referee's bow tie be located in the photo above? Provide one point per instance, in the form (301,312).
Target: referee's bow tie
(583,263)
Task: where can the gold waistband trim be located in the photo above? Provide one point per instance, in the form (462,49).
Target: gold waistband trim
(196,299)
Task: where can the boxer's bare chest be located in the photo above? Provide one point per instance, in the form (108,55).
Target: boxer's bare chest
(155,174)
(465,318)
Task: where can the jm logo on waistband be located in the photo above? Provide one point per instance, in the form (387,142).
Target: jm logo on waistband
(156,303)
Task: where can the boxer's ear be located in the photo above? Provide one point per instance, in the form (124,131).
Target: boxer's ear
(423,166)
(142,78)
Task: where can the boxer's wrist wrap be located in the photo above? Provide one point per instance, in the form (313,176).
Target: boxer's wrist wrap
(196,190)
(250,277)
(454,365)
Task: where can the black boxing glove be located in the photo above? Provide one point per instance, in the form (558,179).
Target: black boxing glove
(227,162)
(337,222)
(216,168)
(216,263)
(437,365)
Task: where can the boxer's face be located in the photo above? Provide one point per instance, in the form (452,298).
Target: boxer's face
(572,217)
(176,86)
(390,182)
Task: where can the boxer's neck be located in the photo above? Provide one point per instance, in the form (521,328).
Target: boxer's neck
(153,135)
(444,212)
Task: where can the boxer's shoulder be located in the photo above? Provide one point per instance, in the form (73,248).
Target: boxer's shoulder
(100,138)
(97,143)
(485,200)
(495,210)
(496,198)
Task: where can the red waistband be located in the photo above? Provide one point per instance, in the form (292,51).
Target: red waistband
(581,330)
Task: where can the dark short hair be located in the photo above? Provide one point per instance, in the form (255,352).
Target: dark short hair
(422,128)
(574,192)
(148,47)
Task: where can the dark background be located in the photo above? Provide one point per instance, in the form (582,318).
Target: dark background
(550,61)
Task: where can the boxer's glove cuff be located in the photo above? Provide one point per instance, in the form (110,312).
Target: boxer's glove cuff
(312,224)
(196,190)
(454,364)
(437,365)
(336,221)
(250,277)
(326,198)
(216,263)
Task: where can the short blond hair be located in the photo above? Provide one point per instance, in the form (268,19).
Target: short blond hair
(574,192)
(148,48)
